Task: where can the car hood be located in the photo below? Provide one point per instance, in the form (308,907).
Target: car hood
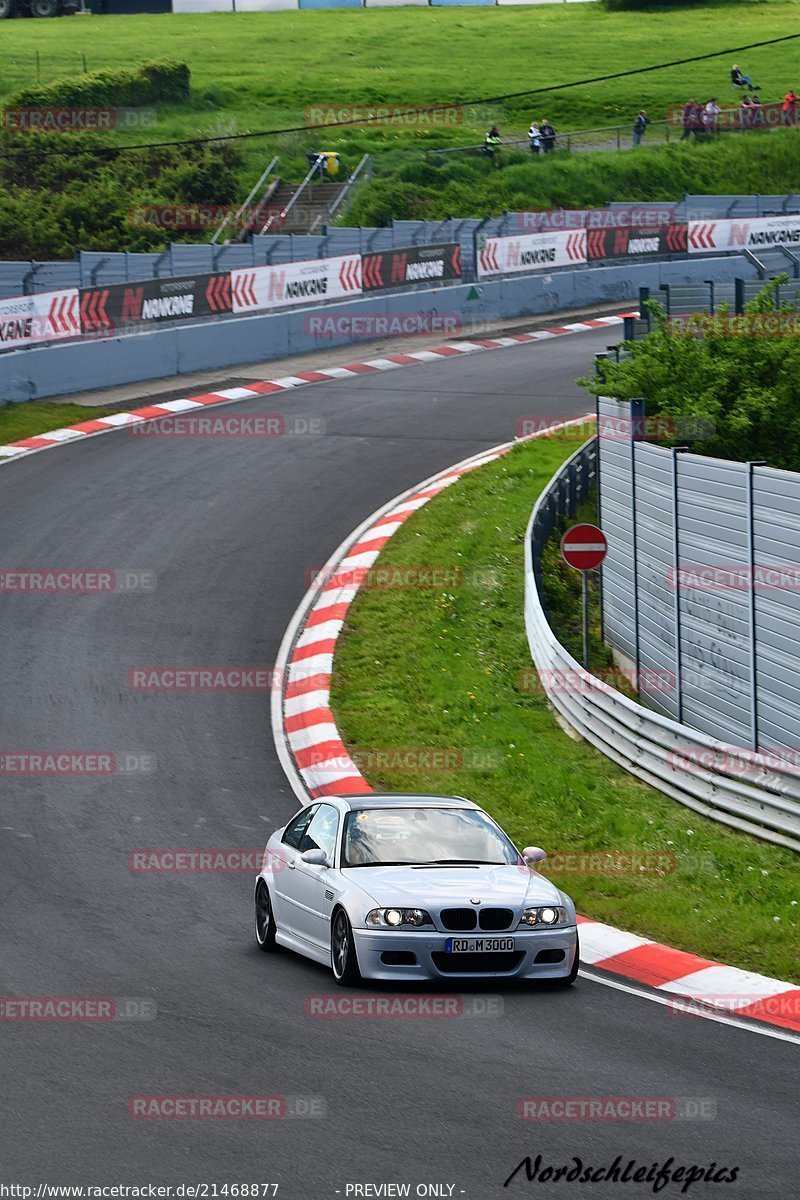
(441,887)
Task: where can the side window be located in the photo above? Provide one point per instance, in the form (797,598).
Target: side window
(293,834)
(321,833)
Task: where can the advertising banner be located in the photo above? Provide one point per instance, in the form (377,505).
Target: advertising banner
(153,302)
(633,243)
(751,233)
(306,282)
(32,320)
(410,264)
(531,252)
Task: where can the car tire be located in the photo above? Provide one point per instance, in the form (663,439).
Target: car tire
(265,921)
(6,9)
(44,8)
(344,963)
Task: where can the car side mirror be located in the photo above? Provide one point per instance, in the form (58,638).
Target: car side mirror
(534,854)
(314,858)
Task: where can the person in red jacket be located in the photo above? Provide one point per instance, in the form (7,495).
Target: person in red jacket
(789,107)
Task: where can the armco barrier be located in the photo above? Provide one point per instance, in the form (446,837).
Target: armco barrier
(70,367)
(690,767)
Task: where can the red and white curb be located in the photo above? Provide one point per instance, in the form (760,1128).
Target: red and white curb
(90,428)
(317,763)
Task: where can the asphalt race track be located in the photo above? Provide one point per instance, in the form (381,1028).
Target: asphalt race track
(231,527)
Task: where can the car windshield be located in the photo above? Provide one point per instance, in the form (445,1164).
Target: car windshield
(423,837)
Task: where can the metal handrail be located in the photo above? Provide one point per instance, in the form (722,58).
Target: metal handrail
(234,218)
(336,204)
(762,802)
(281,216)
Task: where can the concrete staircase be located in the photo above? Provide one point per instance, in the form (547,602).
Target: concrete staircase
(309,208)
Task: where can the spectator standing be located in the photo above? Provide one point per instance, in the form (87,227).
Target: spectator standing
(535,138)
(699,120)
(688,120)
(491,145)
(711,116)
(548,135)
(789,107)
(746,113)
(756,112)
(639,126)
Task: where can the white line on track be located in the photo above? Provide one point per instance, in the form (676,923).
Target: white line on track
(783,1035)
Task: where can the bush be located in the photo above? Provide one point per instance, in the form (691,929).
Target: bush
(745,386)
(147,83)
(53,203)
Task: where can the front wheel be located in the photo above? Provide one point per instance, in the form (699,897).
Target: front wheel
(343,951)
(6,9)
(265,922)
(44,8)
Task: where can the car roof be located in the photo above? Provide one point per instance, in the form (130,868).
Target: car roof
(402,800)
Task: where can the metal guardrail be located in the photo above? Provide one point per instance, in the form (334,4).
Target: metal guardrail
(755,799)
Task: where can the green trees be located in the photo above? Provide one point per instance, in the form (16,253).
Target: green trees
(737,376)
(64,191)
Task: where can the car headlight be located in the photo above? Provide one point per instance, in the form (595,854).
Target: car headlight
(395,918)
(544,916)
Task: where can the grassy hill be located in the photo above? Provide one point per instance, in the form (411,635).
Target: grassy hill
(255,71)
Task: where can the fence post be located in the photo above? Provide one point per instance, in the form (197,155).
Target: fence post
(637,413)
(711,294)
(644,296)
(738,293)
(676,450)
(599,506)
(664,287)
(751,562)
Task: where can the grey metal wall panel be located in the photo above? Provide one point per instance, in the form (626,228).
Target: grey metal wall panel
(192,258)
(714,589)
(776,528)
(655,556)
(235,256)
(616,519)
(56,275)
(12,279)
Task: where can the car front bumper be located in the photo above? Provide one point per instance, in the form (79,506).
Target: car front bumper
(431,960)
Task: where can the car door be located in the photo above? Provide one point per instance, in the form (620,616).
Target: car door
(311,885)
(284,902)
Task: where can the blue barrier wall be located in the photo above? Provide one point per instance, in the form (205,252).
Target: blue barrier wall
(60,370)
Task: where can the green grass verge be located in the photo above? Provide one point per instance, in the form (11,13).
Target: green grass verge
(425,668)
(19,421)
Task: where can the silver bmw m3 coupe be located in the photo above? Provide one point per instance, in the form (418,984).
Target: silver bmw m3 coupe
(413,888)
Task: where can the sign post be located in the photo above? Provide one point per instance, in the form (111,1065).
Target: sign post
(584,547)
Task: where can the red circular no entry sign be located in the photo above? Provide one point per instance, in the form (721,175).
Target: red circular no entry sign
(584,547)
